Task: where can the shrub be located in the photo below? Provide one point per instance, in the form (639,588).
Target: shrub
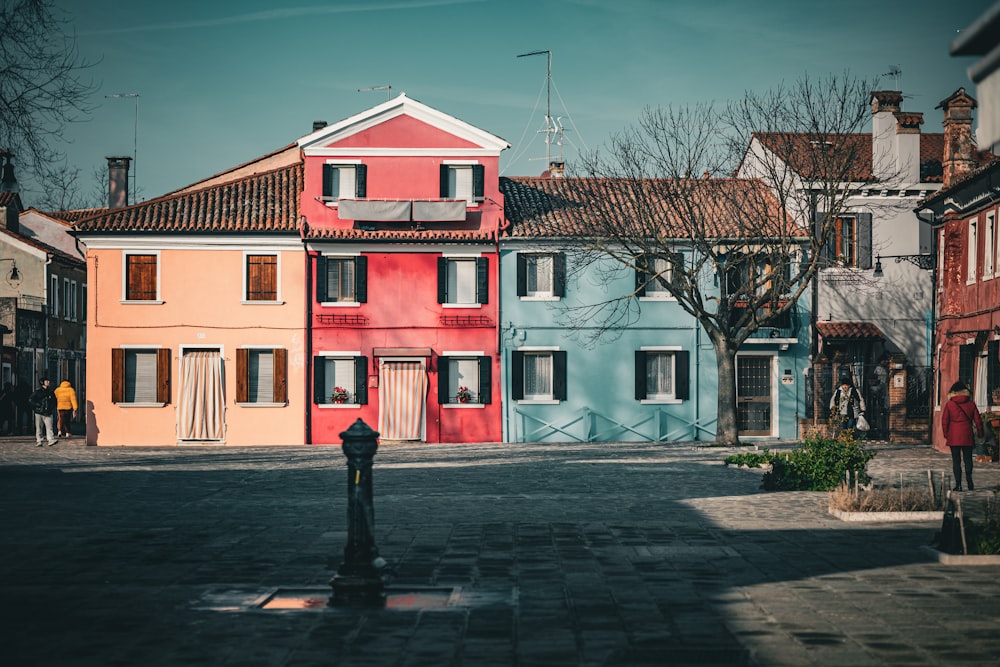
(905,499)
(750,459)
(819,465)
(984,537)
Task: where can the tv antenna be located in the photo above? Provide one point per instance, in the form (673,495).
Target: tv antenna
(553,126)
(896,72)
(135,139)
(387,88)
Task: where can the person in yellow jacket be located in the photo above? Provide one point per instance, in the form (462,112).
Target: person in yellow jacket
(67,407)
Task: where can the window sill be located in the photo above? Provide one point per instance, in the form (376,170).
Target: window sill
(337,406)
(657,298)
(262,405)
(131,302)
(460,406)
(538,401)
(461,305)
(340,304)
(660,401)
(262,303)
(541,298)
(141,405)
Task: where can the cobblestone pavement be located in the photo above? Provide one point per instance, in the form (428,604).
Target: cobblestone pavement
(576,554)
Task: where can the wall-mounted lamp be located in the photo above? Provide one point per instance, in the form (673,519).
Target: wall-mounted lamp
(14,277)
(920,261)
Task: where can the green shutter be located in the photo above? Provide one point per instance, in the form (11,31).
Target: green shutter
(319,379)
(640,375)
(483,280)
(361,181)
(559,274)
(559,375)
(361,279)
(321,281)
(444,378)
(517,375)
(485,380)
(442,280)
(361,380)
(682,374)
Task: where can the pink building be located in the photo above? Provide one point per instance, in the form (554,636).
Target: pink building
(402,210)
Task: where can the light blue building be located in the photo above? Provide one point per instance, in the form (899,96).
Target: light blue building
(654,378)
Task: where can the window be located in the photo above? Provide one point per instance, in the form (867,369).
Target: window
(141,278)
(463,181)
(261,375)
(261,282)
(72,301)
(651,272)
(973,251)
(463,281)
(848,241)
(140,375)
(989,236)
(65,299)
(344,181)
(54,296)
(541,275)
(474,372)
(346,370)
(538,375)
(342,279)
(661,374)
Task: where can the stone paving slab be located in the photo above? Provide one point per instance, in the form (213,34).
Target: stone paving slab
(578,554)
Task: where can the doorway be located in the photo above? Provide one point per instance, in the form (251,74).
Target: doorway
(201,415)
(754,400)
(402,397)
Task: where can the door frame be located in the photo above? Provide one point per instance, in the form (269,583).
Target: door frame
(191,347)
(775,382)
(423,367)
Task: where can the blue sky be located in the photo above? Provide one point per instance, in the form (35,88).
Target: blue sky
(221,82)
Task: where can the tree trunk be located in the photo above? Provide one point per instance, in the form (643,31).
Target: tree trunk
(727,429)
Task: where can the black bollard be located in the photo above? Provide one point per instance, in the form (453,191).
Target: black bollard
(358,579)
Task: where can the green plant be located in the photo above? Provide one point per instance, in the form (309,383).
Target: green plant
(820,464)
(749,459)
(984,537)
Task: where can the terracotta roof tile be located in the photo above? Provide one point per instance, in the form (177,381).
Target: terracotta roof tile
(849,331)
(554,207)
(400,235)
(264,202)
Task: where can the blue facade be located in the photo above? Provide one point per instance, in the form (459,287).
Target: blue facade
(605,391)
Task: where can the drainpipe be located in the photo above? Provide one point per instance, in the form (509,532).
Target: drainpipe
(308,344)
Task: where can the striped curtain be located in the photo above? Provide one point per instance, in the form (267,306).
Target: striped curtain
(402,393)
(202,410)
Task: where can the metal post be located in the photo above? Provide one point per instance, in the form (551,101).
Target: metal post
(358,579)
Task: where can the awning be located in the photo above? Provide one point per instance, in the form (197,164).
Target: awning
(403,352)
(376,210)
(439,211)
(849,331)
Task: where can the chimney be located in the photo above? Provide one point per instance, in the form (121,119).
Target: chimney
(885,106)
(318,125)
(118,181)
(557,169)
(959,149)
(908,146)
(8,183)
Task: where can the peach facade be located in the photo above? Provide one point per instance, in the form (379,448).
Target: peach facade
(200,306)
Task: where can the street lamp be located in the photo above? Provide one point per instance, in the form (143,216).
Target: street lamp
(14,277)
(925,262)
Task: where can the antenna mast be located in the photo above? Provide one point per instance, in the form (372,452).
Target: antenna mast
(135,141)
(387,88)
(552,126)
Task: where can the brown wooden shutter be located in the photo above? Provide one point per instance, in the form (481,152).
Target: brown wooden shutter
(262,278)
(242,375)
(163,375)
(280,375)
(117,375)
(140,278)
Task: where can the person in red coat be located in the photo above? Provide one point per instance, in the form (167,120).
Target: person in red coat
(961,423)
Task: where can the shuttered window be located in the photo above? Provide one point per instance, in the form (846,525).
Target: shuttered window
(262,278)
(463,281)
(140,375)
(140,278)
(261,375)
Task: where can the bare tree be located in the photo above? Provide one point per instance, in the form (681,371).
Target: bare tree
(41,81)
(728,209)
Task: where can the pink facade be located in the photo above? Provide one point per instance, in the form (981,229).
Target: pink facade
(401,242)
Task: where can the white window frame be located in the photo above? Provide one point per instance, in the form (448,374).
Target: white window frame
(989,253)
(342,166)
(73,296)
(353,303)
(540,399)
(663,399)
(972,263)
(531,269)
(54,295)
(159,267)
(65,299)
(467,259)
(654,290)
(455,167)
(467,358)
(340,356)
(246,286)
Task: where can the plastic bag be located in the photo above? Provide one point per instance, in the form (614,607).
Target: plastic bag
(862,424)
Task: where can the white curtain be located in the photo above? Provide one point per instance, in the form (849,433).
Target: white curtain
(402,393)
(202,408)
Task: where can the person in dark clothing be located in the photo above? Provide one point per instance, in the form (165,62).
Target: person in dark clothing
(846,404)
(43,403)
(960,423)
